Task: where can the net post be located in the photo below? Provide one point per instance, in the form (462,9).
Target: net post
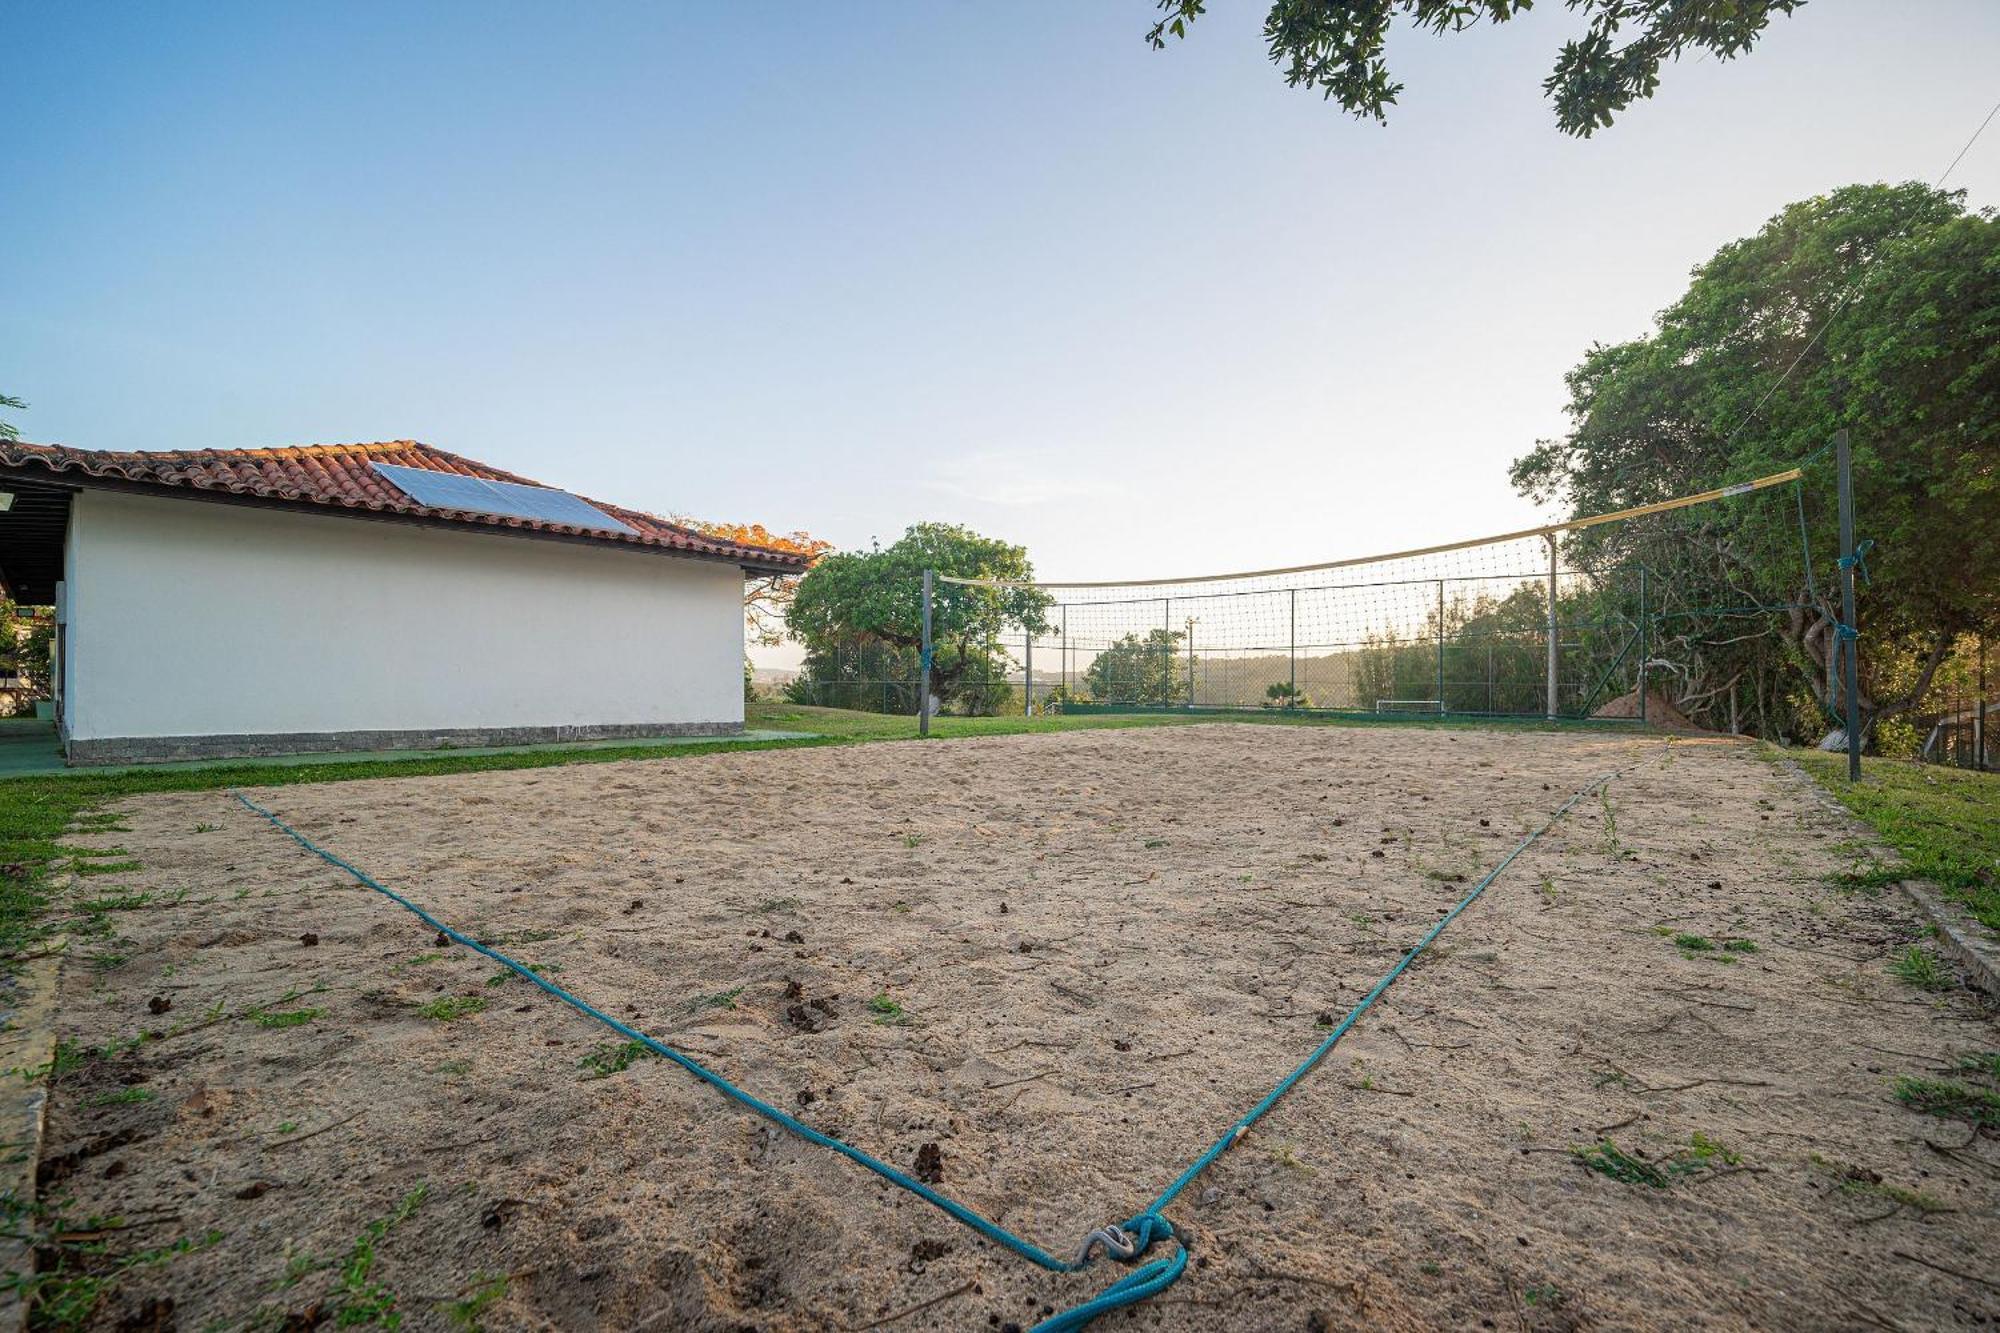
(1440,671)
(1644,646)
(924,660)
(1167,652)
(1849,671)
(1293,652)
(1552,631)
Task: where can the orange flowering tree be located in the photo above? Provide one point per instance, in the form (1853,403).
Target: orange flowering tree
(766,596)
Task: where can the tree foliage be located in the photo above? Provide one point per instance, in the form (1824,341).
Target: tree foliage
(1883,304)
(1135,670)
(765,596)
(852,601)
(1336,45)
(8,431)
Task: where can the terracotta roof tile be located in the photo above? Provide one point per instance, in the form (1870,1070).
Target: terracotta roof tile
(338,476)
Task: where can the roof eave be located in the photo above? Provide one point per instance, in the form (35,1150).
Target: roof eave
(81,479)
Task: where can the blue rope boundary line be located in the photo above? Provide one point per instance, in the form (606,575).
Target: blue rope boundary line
(1127,1243)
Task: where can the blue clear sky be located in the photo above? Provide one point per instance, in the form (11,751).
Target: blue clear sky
(846,267)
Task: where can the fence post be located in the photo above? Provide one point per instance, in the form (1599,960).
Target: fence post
(924,661)
(1065,654)
(1849,668)
(1028,656)
(1167,652)
(1553,631)
(1440,688)
(1644,646)
(1979,711)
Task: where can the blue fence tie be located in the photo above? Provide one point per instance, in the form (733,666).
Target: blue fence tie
(1859,560)
(1128,1243)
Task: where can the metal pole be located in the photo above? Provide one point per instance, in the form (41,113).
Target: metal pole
(1167,651)
(1065,649)
(1028,657)
(1644,646)
(1440,689)
(1292,701)
(924,674)
(1553,649)
(1979,710)
(1848,666)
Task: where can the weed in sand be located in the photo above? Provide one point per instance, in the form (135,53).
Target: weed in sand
(720,1000)
(464,1313)
(888,1012)
(283,1018)
(446,1008)
(1921,968)
(358,1301)
(1949,1100)
(605,1061)
(123,1097)
(1606,1158)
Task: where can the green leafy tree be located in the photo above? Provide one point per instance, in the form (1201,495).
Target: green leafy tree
(8,431)
(1336,45)
(1883,304)
(1135,670)
(854,602)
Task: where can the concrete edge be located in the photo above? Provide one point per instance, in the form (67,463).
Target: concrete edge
(162,749)
(1958,934)
(28,1004)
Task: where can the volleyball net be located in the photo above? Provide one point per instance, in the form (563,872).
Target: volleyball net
(1563,621)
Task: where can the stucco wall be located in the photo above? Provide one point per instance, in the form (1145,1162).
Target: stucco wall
(191,619)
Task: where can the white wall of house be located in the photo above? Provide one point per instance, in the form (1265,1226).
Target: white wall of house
(189,618)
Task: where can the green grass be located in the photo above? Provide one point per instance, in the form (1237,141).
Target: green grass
(1945,822)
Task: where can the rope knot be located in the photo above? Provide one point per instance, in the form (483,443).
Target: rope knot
(1126,1243)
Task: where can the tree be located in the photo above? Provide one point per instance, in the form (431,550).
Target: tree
(852,601)
(1336,45)
(8,431)
(765,596)
(1883,304)
(1133,670)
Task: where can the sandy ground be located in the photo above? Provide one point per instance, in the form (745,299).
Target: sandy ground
(1105,945)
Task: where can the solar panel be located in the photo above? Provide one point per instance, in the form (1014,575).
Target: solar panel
(449,490)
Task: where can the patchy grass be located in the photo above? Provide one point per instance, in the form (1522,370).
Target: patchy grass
(1945,822)
(123,1097)
(283,1018)
(75,1270)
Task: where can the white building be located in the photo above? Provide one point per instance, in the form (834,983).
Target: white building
(356,597)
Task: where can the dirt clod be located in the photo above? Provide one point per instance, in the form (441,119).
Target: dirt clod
(929,1164)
